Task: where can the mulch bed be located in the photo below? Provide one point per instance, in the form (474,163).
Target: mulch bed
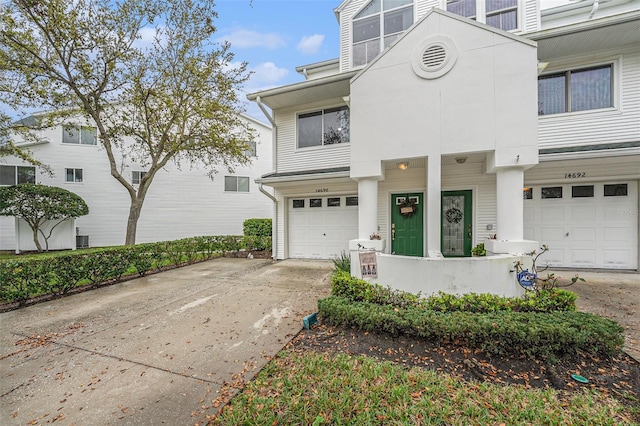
(618,377)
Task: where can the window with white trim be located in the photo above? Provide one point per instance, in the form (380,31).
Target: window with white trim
(16,175)
(501,14)
(377,26)
(84,135)
(252,149)
(73,175)
(136,177)
(236,184)
(325,127)
(576,90)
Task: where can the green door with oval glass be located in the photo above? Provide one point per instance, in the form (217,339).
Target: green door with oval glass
(456,224)
(407,224)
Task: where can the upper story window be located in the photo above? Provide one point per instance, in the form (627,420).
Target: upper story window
(136,177)
(378,25)
(252,149)
(236,184)
(15,175)
(576,90)
(326,127)
(501,14)
(73,175)
(80,135)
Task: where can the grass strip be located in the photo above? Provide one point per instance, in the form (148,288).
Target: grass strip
(322,389)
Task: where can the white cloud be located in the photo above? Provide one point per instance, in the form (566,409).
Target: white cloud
(310,45)
(241,38)
(267,73)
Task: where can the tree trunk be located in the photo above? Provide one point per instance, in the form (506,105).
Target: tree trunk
(35,239)
(132,222)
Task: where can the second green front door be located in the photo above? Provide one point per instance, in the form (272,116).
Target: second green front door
(407,219)
(456,224)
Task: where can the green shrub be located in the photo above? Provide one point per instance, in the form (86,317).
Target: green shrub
(58,273)
(257,227)
(257,234)
(531,334)
(342,263)
(22,279)
(344,285)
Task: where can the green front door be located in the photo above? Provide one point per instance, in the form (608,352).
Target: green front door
(456,224)
(407,218)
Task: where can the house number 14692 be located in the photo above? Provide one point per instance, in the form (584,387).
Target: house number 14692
(575,175)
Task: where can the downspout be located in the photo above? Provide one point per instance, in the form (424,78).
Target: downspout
(274,138)
(594,9)
(274,223)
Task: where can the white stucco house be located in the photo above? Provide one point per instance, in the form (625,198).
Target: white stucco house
(181,202)
(444,124)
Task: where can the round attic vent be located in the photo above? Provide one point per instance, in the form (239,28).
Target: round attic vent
(434,57)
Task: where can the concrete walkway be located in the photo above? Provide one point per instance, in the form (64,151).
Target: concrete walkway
(154,350)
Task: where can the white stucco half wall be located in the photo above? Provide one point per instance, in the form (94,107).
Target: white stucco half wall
(428,276)
(63,236)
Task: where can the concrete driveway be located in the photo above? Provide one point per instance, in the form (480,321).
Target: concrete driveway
(159,349)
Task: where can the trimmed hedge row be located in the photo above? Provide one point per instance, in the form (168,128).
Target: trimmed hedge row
(21,279)
(532,334)
(357,290)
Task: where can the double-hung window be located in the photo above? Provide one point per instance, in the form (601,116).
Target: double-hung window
(325,127)
(73,175)
(252,149)
(136,177)
(577,90)
(378,25)
(80,135)
(501,14)
(15,175)
(236,184)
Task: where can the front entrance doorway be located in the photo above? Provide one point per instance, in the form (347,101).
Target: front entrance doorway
(407,224)
(457,229)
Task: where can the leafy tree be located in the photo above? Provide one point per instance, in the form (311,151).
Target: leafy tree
(37,204)
(173,97)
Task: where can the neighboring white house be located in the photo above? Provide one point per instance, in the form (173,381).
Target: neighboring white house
(429,125)
(180,203)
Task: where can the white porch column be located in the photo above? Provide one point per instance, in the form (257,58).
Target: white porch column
(510,204)
(367,207)
(510,214)
(433,205)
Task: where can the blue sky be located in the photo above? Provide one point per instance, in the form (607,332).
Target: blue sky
(276,36)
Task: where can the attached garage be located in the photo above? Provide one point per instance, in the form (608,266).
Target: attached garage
(320,227)
(585,225)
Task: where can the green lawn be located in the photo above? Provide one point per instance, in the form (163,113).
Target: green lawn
(319,389)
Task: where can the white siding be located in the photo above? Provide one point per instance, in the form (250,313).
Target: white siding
(181,202)
(425,6)
(290,158)
(594,169)
(620,124)
(531,13)
(345,33)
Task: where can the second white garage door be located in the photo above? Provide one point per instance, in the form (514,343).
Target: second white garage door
(585,225)
(321,227)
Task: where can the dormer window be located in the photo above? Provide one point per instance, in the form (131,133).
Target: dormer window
(377,26)
(501,14)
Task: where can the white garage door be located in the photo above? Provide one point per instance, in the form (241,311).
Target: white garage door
(321,227)
(585,225)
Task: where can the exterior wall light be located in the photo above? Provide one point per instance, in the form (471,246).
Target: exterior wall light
(461,160)
(404,165)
